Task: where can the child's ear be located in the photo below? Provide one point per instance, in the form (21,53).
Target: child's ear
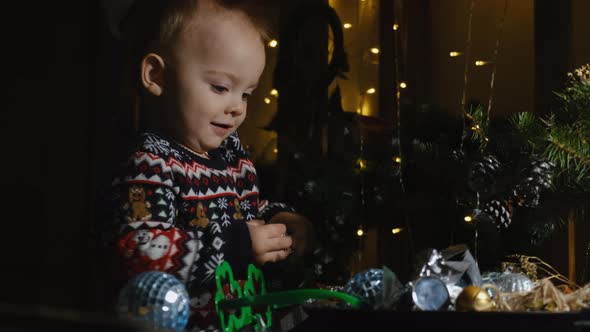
(152,73)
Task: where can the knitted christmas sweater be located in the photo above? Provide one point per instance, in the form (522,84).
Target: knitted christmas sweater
(177,212)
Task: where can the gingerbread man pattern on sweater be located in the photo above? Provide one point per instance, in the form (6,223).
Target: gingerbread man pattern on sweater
(177,212)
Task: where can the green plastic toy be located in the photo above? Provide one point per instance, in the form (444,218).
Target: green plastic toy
(248,298)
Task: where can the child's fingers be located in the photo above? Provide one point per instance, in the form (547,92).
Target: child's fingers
(275,256)
(256,222)
(277,243)
(274,230)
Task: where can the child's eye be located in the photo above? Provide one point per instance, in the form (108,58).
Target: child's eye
(219,88)
(245,96)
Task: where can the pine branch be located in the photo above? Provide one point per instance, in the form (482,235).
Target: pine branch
(479,126)
(531,128)
(570,153)
(575,100)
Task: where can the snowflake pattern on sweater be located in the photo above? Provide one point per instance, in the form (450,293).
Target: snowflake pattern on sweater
(177,212)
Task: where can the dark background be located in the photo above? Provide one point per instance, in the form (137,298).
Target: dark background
(54,133)
(48,108)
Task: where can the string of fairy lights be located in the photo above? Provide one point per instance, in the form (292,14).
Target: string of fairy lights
(361,163)
(470,218)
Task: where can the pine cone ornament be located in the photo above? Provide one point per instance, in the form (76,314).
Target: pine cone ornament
(482,175)
(457,156)
(500,212)
(581,74)
(537,178)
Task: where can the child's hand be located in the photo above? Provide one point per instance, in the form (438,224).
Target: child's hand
(298,227)
(269,242)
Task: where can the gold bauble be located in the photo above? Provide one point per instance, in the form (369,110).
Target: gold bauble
(474,298)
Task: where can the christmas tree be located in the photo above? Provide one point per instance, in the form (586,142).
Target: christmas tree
(525,174)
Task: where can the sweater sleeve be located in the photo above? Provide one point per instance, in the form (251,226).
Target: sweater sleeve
(234,150)
(145,231)
(241,254)
(267,209)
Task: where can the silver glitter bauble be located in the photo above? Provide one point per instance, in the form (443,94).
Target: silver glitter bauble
(156,298)
(366,285)
(514,282)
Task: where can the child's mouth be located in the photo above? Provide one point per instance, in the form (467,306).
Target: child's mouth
(221,125)
(221,129)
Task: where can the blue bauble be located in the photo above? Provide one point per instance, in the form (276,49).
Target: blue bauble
(430,294)
(158,299)
(367,285)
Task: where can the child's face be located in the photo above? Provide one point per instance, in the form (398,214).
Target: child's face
(216,64)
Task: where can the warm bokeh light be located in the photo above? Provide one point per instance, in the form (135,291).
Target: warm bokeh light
(360,232)
(468,219)
(396,230)
(371,91)
(274,92)
(454,54)
(361,163)
(403,85)
(347,25)
(395,26)
(273,43)
(267,100)
(375,50)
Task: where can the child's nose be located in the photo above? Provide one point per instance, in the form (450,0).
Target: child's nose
(235,109)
